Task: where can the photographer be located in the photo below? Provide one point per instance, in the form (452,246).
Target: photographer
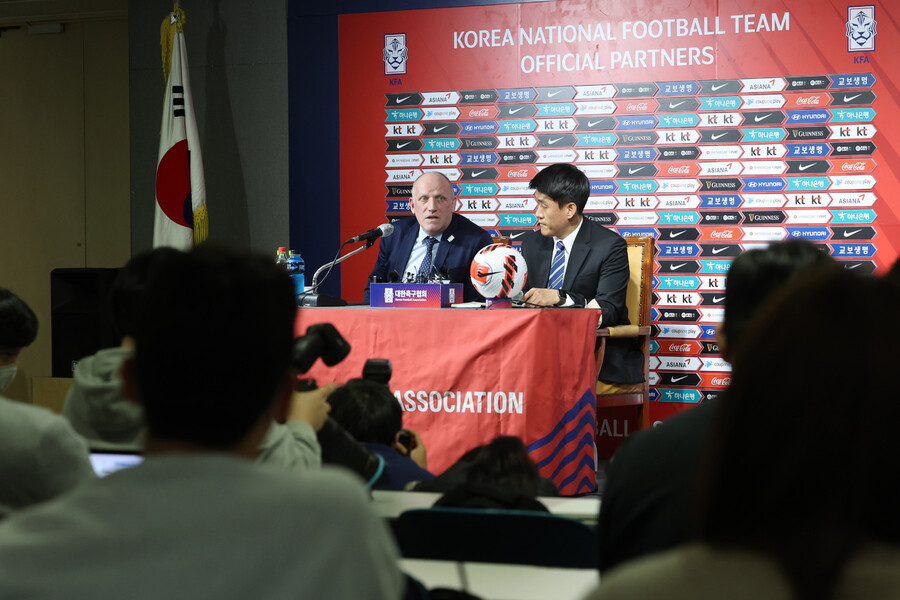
(372,415)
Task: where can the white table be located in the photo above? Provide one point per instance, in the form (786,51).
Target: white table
(494,581)
(389,504)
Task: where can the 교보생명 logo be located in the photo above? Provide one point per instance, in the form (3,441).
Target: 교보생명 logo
(395,54)
(861,28)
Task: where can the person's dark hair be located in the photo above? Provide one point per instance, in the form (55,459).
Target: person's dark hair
(564,183)
(213,343)
(812,396)
(894,271)
(755,274)
(18,323)
(505,463)
(129,286)
(367,410)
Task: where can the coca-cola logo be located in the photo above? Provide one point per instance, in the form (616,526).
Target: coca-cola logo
(679,347)
(479,112)
(635,106)
(519,173)
(809,100)
(682,170)
(726,234)
(721,381)
(856,166)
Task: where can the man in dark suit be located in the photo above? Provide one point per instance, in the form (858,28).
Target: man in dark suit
(573,260)
(438,242)
(648,500)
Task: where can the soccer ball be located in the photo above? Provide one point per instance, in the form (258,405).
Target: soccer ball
(499,271)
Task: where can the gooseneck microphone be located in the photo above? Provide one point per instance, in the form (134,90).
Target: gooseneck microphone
(369,237)
(383,230)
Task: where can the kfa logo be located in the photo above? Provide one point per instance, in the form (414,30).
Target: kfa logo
(861,28)
(395,54)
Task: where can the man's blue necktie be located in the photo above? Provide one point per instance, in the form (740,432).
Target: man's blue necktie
(425,268)
(558,267)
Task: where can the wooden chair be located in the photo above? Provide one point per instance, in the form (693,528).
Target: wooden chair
(501,239)
(638,298)
(496,536)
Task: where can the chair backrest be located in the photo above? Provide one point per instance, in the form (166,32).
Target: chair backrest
(497,536)
(501,239)
(640,261)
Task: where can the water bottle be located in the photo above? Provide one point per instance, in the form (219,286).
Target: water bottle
(281,257)
(297,270)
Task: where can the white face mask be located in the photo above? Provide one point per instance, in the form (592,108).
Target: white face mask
(7,374)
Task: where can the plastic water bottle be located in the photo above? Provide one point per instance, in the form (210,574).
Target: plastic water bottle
(297,270)
(281,257)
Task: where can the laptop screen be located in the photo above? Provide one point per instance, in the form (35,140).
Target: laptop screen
(105,463)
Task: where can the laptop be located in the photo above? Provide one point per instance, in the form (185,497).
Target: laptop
(110,461)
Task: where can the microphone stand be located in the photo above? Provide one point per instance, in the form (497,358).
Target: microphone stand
(313,297)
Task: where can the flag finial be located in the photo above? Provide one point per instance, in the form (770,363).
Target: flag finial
(172,23)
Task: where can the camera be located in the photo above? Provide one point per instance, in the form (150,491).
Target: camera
(338,447)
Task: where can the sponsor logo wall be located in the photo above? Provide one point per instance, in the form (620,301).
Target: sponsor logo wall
(712,129)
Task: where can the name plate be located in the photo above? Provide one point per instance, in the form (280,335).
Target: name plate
(415,295)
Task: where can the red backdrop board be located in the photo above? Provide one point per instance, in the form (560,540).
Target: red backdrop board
(463,377)
(714,126)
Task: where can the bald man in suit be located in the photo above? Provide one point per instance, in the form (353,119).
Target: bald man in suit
(454,239)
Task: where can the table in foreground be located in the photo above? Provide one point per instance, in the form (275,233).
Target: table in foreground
(493,581)
(464,377)
(389,504)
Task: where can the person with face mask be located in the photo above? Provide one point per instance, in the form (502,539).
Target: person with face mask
(41,456)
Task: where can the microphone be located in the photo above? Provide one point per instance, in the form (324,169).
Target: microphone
(394,277)
(385,229)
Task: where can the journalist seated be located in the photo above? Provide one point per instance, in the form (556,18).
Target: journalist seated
(371,414)
(98,409)
(198,518)
(497,475)
(41,456)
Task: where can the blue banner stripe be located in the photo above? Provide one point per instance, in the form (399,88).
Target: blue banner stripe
(566,442)
(586,399)
(587,461)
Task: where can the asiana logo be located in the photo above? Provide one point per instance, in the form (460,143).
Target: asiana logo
(861,28)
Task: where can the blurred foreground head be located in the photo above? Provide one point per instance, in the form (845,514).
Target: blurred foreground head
(804,454)
(213,344)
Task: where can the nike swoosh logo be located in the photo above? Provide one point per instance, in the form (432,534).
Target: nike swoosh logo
(476,174)
(805,167)
(551,142)
(513,111)
(403,144)
(759,118)
(676,267)
(592,123)
(675,234)
(633,171)
(718,299)
(677,379)
(716,88)
(556,93)
(439,129)
(719,250)
(515,235)
(716,136)
(851,98)
(849,233)
(676,104)
(854,266)
(399,100)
